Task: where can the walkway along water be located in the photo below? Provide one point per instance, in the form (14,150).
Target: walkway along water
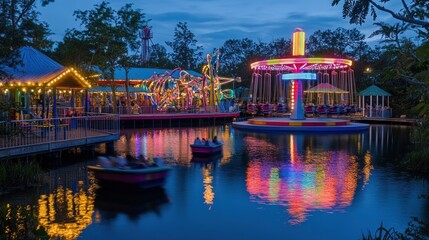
(48,135)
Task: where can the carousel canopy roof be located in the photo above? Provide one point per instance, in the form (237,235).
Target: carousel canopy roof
(108,89)
(146,73)
(325,88)
(37,69)
(373,91)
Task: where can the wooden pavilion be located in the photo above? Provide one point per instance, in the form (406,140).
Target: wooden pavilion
(39,80)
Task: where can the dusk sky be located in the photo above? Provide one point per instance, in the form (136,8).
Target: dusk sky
(214,22)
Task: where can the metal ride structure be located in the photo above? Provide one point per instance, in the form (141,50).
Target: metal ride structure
(146,36)
(186,91)
(296,69)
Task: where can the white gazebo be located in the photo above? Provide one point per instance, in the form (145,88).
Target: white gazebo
(376,95)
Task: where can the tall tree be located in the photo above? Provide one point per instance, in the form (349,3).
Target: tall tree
(19,27)
(186,53)
(111,36)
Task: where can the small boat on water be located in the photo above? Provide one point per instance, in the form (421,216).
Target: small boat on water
(132,175)
(206,149)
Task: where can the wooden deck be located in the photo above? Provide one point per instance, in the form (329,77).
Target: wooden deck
(38,138)
(373,120)
(127,117)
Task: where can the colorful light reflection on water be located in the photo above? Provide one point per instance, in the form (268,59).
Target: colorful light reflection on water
(315,181)
(302,186)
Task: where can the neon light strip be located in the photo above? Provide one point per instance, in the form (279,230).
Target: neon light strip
(300,76)
(291,61)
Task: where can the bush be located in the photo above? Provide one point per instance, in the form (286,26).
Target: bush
(417,161)
(416,230)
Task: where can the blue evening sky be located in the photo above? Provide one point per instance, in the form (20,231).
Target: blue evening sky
(215,21)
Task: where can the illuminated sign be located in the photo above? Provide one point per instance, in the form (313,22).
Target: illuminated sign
(299,76)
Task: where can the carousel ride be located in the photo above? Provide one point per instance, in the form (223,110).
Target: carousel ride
(290,75)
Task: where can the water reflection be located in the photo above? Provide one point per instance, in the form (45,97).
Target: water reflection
(60,210)
(110,203)
(172,144)
(307,178)
(64,213)
(304,174)
(208,188)
(208,165)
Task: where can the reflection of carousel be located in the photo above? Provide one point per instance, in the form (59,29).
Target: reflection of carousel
(296,70)
(309,181)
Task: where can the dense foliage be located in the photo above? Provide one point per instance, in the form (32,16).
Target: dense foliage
(19,27)
(186,53)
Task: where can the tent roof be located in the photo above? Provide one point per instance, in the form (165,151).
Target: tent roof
(373,91)
(325,88)
(146,73)
(37,68)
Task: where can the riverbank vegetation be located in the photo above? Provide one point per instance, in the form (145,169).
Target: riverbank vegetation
(416,230)
(16,174)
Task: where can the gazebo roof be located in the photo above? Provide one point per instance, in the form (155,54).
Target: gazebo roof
(373,91)
(37,69)
(325,88)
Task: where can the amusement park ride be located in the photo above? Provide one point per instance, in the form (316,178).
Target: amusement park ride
(297,69)
(180,89)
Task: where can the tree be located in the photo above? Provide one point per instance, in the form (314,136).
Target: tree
(159,57)
(19,27)
(186,53)
(280,48)
(342,43)
(415,13)
(111,36)
(74,51)
(236,56)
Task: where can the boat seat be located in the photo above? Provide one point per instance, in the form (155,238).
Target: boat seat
(104,162)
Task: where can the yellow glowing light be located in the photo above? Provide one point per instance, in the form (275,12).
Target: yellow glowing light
(298,48)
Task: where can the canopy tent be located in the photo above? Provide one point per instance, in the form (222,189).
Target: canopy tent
(325,88)
(325,94)
(37,73)
(369,109)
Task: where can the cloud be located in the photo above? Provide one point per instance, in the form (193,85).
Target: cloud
(214,22)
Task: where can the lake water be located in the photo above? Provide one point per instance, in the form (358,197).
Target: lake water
(263,186)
